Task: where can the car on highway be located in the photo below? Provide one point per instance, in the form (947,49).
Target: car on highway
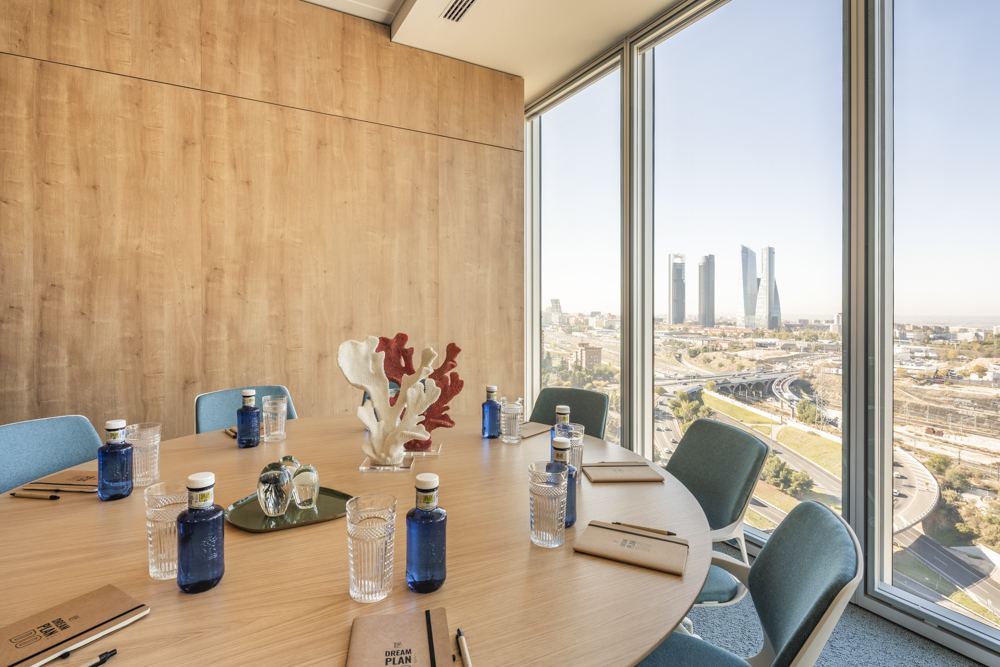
(895,492)
(673,441)
(896,474)
(659,428)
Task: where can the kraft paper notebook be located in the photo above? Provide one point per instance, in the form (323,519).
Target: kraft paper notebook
(66,627)
(82,481)
(529,429)
(620,471)
(645,547)
(418,639)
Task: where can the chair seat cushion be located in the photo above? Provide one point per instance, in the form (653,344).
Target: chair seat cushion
(719,587)
(680,650)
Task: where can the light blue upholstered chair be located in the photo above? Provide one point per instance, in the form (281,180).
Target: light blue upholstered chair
(33,449)
(589,408)
(800,584)
(216,410)
(720,465)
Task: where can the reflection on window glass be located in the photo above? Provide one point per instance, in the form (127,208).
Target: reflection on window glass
(946,361)
(748,240)
(581,244)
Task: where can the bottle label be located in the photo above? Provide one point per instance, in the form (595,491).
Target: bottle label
(427,500)
(116,437)
(248,400)
(202,498)
(491,396)
(561,455)
(562,418)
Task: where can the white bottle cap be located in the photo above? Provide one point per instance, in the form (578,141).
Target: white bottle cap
(562,409)
(201,480)
(560,443)
(491,387)
(427,481)
(114,424)
(249,392)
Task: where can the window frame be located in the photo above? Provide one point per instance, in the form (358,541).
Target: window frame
(867,284)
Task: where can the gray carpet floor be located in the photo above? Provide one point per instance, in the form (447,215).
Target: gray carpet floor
(861,638)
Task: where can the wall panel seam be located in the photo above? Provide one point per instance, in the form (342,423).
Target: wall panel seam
(251,99)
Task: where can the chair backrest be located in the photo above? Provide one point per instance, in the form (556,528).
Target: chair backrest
(719,464)
(589,408)
(802,580)
(217,409)
(33,449)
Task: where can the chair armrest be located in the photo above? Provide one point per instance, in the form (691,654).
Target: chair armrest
(738,569)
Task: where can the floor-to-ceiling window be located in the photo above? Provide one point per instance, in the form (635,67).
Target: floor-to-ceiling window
(748,226)
(945,473)
(581,227)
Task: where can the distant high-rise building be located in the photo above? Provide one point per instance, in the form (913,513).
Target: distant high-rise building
(556,307)
(677,289)
(838,324)
(768,312)
(706,291)
(747,307)
(588,355)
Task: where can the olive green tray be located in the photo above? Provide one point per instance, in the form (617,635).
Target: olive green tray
(246,513)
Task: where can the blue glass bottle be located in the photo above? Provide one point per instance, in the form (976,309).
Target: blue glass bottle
(560,454)
(114,463)
(200,553)
(562,421)
(491,413)
(425,538)
(248,421)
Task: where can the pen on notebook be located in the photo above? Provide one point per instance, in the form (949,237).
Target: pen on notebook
(101,659)
(463,649)
(35,494)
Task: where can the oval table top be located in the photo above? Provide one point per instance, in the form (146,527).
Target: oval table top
(284,597)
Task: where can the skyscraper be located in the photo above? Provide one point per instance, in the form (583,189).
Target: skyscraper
(747,307)
(706,291)
(768,313)
(677,289)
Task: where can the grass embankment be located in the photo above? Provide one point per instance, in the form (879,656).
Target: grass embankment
(786,503)
(909,566)
(763,428)
(757,521)
(734,411)
(821,451)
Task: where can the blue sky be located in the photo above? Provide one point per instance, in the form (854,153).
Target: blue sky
(748,151)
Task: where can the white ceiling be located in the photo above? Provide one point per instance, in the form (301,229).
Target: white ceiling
(543,41)
(380,11)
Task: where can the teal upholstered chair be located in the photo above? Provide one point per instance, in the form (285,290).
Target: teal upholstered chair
(33,449)
(800,584)
(720,465)
(216,410)
(589,408)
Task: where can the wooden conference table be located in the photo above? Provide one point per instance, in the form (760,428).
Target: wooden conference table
(284,598)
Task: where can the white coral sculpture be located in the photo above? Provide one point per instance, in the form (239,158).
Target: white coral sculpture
(395,424)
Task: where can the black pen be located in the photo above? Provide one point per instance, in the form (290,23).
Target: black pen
(101,659)
(463,649)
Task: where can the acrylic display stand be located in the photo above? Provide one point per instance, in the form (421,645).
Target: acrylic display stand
(435,450)
(368,466)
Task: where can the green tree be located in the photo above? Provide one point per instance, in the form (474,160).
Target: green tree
(710,386)
(805,411)
(956,478)
(938,463)
(801,483)
(659,391)
(980,372)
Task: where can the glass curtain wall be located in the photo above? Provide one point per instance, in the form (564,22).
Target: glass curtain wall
(748,234)
(581,228)
(945,472)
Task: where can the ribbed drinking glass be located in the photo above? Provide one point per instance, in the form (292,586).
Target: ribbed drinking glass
(511,412)
(576,452)
(547,488)
(275,409)
(145,441)
(371,531)
(164,501)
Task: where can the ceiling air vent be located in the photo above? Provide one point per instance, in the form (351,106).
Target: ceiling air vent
(456,10)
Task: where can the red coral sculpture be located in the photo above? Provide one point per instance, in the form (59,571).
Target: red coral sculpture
(450,385)
(398,359)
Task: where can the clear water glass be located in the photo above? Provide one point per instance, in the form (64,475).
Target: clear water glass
(164,501)
(577,427)
(274,489)
(547,488)
(576,453)
(305,487)
(511,413)
(275,410)
(145,441)
(371,532)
